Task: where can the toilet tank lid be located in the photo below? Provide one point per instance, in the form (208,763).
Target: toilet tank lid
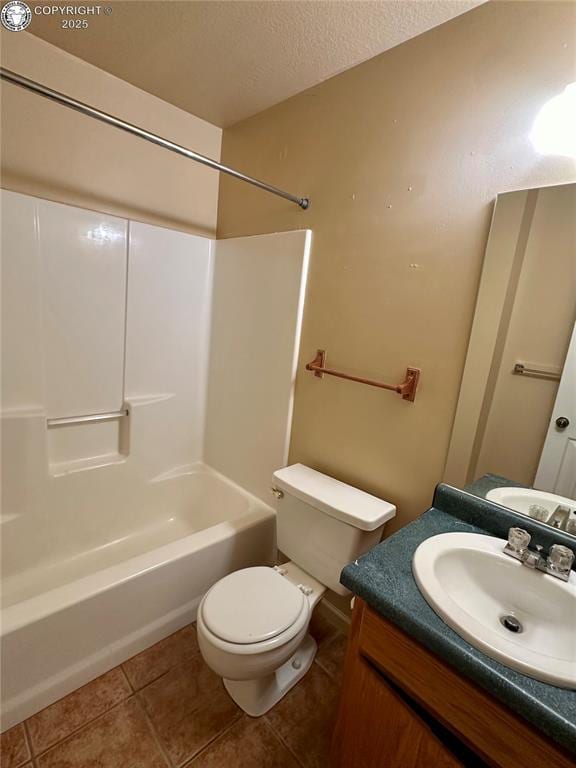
(337,499)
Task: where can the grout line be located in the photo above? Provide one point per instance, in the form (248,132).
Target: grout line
(81,727)
(281,740)
(32,749)
(27,739)
(332,675)
(121,668)
(154,734)
(213,739)
(283,743)
(160,674)
(154,680)
(189,762)
(323,668)
(172,666)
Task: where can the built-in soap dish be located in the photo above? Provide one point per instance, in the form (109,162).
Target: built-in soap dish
(80,443)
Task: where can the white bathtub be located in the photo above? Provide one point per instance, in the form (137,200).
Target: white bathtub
(86,604)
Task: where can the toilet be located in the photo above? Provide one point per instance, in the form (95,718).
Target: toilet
(253,624)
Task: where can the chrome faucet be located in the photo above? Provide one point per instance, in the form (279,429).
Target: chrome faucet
(559,517)
(557,564)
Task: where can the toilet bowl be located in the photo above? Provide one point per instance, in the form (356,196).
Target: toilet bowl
(253,631)
(253,624)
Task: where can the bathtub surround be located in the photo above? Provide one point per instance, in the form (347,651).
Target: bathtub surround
(167,344)
(255,336)
(104,315)
(402,157)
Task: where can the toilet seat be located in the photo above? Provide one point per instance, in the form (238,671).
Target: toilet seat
(253,610)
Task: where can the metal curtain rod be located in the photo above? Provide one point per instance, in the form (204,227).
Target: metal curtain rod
(104,117)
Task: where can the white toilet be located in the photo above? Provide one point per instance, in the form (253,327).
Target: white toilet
(253,623)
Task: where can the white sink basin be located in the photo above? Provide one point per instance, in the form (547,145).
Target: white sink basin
(472,585)
(520,499)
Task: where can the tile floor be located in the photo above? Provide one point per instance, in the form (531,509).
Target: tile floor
(166,709)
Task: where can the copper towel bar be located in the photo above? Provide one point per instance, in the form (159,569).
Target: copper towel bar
(407,388)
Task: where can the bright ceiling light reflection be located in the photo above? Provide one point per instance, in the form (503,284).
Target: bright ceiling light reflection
(554,130)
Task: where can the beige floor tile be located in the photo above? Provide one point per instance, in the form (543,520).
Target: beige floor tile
(65,716)
(305,717)
(155,661)
(331,656)
(121,738)
(188,707)
(248,744)
(14,749)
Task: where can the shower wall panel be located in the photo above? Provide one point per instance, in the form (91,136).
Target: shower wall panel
(83,257)
(169,287)
(258,298)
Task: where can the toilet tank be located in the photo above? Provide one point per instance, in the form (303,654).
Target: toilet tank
(324,524)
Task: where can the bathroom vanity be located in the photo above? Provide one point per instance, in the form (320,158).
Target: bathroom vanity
(403,707)
(417,694)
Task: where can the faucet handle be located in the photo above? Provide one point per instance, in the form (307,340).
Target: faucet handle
(560,559)
(539,512)
(518,539)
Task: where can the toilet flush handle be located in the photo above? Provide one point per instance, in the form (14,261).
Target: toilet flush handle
(277,492)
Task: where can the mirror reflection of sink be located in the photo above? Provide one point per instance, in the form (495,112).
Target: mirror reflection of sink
(521,617)
(521,499)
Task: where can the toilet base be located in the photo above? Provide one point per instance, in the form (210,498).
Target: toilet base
(256,697)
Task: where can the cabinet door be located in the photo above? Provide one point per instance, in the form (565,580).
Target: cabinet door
(377,729)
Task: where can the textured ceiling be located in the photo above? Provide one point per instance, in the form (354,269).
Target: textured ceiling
(225,61)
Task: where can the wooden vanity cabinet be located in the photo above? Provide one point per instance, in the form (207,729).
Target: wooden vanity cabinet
(403,707)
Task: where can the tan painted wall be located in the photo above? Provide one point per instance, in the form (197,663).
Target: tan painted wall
(539,331)
(53,152)
(403,157)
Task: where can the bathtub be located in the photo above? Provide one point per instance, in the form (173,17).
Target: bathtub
(82,605)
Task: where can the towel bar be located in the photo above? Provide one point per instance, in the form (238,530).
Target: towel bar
(407,388)
(83,419)
(521,369)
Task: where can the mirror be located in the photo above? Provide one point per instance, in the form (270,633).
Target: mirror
(515,426)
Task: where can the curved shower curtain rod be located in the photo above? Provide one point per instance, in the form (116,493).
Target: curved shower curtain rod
(104,117)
